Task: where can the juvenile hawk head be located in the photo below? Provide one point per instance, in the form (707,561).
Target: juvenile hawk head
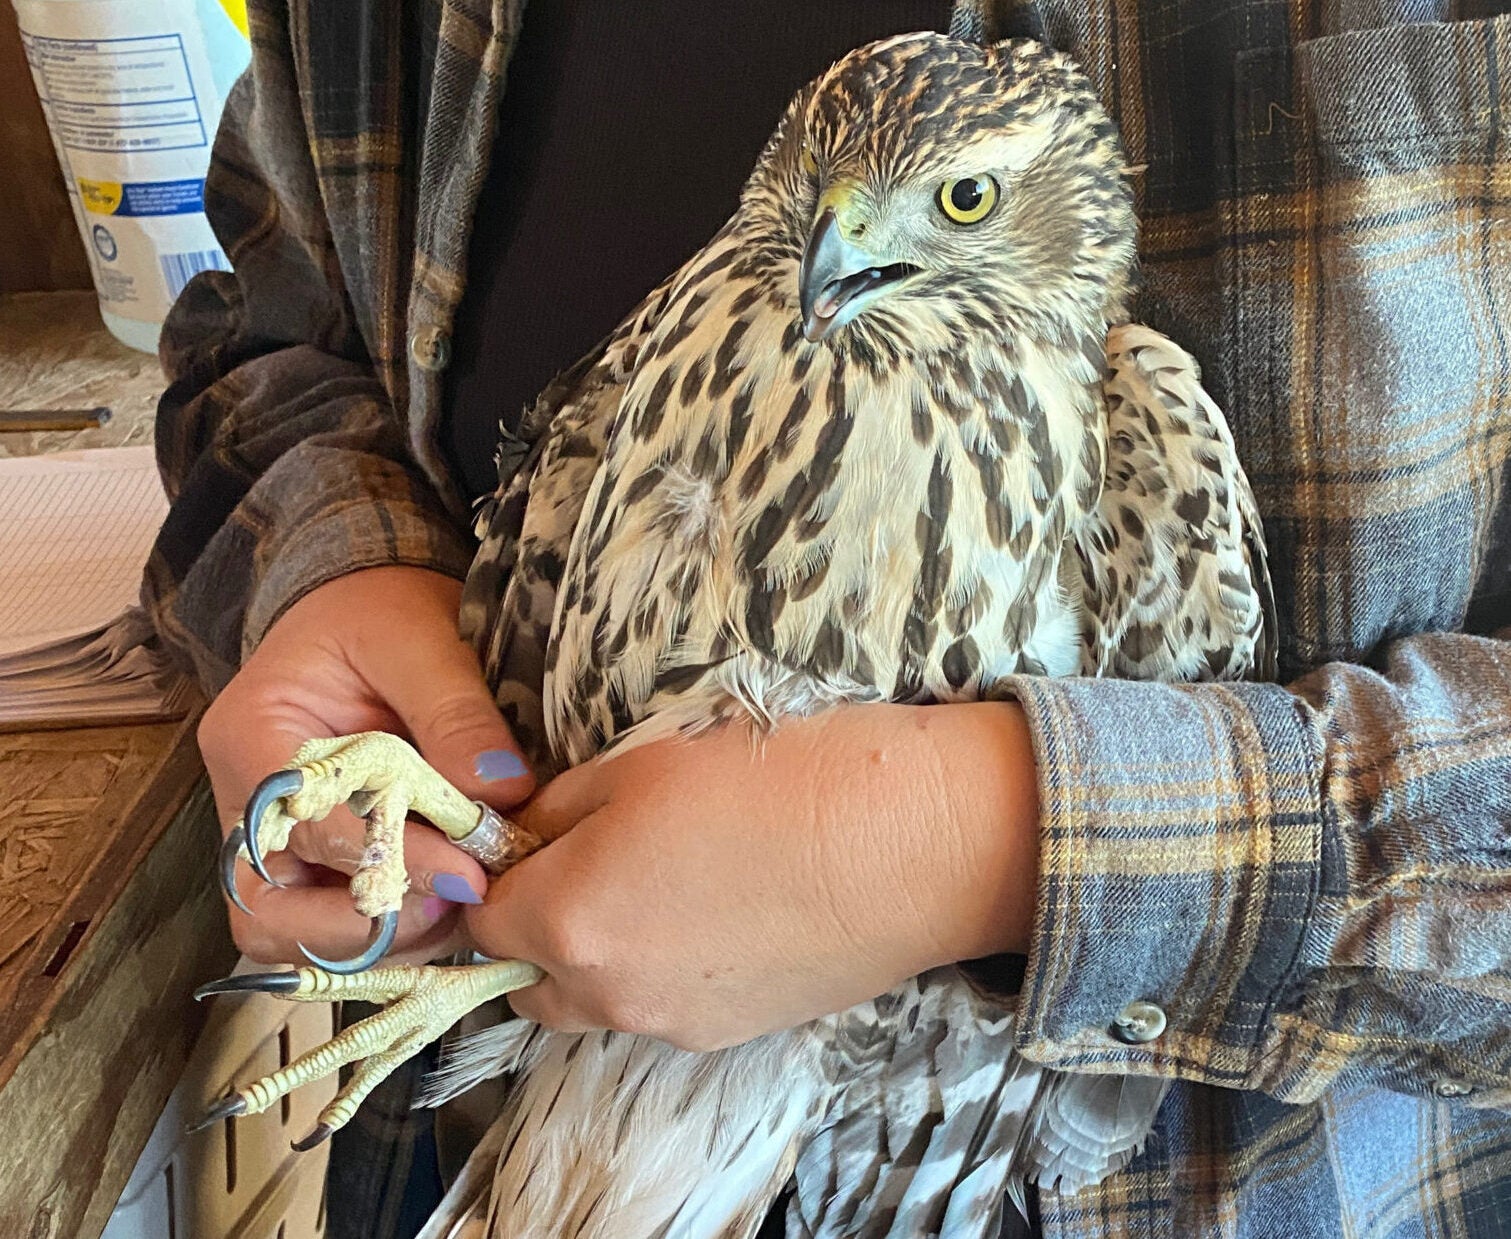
(927,189)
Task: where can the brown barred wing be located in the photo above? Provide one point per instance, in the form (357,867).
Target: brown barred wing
(1173,559)
(525,528)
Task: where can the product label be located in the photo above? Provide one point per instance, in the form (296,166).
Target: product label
(124,95)
(142,197)
(132,93)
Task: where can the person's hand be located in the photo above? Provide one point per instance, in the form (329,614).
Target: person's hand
(705,892)
(376,650)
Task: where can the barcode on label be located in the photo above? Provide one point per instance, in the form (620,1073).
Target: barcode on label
(179,269)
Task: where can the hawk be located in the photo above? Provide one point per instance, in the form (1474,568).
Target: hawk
(889,436)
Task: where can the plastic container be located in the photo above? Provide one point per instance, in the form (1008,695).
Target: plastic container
(132,91)
(238,1179)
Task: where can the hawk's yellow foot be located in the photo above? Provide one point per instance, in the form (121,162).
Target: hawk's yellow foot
(426,1002)
(383,779)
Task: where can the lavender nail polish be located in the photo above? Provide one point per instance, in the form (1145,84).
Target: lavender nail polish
(499,764)
(455,888)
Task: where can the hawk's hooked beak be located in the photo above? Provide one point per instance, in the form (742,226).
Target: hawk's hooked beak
(838,279)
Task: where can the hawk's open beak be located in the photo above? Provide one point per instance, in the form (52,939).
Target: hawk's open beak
(838,279)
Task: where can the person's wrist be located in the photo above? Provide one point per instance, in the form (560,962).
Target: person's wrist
(992,810)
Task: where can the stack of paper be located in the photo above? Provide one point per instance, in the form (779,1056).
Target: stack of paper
(75,533)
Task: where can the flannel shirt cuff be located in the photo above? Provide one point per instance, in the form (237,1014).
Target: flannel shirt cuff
(1181,847)
(352,511)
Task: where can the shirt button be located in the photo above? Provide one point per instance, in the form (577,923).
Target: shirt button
(1446,1087)
(1137,1023)
(430,347)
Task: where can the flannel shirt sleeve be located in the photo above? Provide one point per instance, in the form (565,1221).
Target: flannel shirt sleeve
(1313,883)
(285,460)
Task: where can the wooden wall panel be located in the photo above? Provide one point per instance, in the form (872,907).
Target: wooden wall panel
(39,244)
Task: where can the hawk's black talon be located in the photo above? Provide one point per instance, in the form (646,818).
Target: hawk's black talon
(320,1135)
(229,851)
(228,1107)
(250,983)
(277,785)
(385,929)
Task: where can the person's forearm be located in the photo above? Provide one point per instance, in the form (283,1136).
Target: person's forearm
(988,795)
(707,889)
(309,481)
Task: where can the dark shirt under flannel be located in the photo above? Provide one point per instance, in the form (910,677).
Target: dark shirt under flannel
(1312,879)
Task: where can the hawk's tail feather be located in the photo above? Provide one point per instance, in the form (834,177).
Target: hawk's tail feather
(1086,1127)
(612,1136)
(922,1144)
(463,1211)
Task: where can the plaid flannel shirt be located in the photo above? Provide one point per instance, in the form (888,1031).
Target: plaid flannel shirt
(1312,880)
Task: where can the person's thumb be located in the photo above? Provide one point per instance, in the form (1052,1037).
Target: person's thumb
(441,697)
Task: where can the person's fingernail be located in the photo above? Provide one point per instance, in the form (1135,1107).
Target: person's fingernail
(454,887)
(500,764)
(433,907)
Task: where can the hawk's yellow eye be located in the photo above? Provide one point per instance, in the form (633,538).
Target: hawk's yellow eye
(810,160)
(968,200)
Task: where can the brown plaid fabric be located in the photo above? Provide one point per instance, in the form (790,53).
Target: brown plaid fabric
(1313,881)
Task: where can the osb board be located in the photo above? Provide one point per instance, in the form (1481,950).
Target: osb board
(39,242)
(56,354)
(111,916)
(79,810)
